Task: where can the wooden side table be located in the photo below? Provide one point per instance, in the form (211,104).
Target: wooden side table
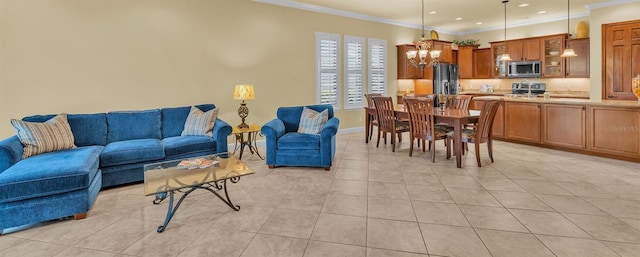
(247,137)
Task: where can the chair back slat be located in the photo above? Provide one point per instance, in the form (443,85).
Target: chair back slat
(386,114)
(485,121)
(459,101)
(369,98)
(421,118)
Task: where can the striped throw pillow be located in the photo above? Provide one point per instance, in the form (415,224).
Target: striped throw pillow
(200,123)
(311,122)
(43,137)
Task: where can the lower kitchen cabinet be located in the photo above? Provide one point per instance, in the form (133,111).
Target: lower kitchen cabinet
(522,121)
(564,125)
(614,130)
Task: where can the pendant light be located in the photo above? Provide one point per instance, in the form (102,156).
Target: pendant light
(505,56)
(568,52)
(422,49)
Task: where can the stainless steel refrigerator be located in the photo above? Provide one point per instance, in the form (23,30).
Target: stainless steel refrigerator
(445,79)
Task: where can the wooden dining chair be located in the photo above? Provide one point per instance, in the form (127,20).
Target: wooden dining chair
(387,122)
(459,101)
(422,125)
(373,117)
(481,133)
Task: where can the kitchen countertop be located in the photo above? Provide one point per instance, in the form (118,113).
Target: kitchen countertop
(558,94)
(611,103)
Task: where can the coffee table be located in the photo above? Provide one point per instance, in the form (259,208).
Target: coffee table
(209,172)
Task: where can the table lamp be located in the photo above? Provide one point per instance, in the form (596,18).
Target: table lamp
(243,92)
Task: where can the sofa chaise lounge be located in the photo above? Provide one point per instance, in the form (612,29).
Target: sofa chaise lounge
(110,149)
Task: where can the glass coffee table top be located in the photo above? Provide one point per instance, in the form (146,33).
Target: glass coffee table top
(186,173)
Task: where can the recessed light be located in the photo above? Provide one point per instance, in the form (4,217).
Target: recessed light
(523,5)
(479,23)
(541,12)
(458,19)
(432,12)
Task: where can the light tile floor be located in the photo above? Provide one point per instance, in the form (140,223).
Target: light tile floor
(531,202)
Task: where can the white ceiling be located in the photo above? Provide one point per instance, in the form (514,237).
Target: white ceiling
(489,12)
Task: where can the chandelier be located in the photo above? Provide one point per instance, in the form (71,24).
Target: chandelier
(422,49)
(505,57)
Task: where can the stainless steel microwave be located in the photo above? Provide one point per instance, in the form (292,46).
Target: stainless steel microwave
(524,69)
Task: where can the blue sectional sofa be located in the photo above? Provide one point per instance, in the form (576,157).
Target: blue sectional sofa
(112,149)
(286,147)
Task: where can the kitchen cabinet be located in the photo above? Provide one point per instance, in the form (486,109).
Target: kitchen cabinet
(564,125)
(524,49)
(408,71)
(614,130)
(552,63)
(522,121)
(498,68)
(482,63)
(465,61)
(621,46)
(578,66)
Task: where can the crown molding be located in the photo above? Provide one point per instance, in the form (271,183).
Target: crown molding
(359,16)
(609,3)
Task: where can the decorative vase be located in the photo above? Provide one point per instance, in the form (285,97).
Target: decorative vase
(635,86)
(582,30)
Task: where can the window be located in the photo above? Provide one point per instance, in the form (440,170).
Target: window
(377,66)
(354,81)
(328,69)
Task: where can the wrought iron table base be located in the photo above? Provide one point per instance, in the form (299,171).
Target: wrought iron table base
(171,210)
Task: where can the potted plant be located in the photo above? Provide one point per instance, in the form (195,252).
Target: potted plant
(466,42)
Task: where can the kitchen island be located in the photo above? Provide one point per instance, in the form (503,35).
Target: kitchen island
(608,128)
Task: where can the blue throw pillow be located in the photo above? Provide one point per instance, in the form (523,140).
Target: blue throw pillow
(311,122)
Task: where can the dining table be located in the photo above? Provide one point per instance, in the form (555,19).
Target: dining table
(457,118)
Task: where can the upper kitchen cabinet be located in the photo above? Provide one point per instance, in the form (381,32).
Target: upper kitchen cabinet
(621,45)
(465,61)
(578,66)
(524,49)
(552,63)
(405,69)
(408,71)
(498,68)
(482,63)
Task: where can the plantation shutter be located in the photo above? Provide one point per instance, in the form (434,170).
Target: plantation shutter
(354,66)
(377,66)
(328,68)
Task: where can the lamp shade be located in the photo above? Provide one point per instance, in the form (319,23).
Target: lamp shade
(243,92)
(568,53)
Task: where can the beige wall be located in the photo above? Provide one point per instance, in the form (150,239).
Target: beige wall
(86,56)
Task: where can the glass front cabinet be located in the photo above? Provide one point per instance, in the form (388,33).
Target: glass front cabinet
(499,68)
(552,63)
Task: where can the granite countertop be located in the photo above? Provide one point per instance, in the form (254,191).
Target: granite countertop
(553,94)
(612,103)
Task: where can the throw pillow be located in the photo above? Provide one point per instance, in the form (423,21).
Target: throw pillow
(200,123)
(311,122)
(42,137)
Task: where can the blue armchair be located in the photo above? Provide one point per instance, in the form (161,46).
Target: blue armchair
(287,147)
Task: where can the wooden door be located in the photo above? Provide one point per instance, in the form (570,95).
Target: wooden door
(578,67)
(482,63)
(515,50)
(622,59)
(564,125)
(406,70)
(522,121)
